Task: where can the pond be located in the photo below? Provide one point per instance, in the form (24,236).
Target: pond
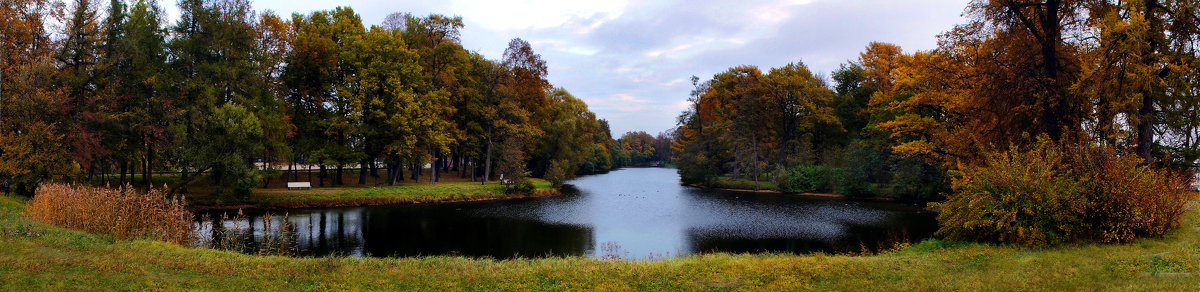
(635,213)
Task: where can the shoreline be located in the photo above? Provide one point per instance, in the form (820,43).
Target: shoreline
(366,202)
(349,196)
(813,195)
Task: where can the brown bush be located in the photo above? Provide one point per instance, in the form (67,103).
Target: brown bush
(1055,193)
(124,212)
(1130,200)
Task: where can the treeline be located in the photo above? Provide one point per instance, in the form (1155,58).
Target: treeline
(792,130)
(236,96)
(1053,120)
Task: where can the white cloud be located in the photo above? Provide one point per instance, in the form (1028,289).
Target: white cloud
(536,14)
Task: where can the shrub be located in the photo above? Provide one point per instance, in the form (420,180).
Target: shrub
(915,179)
(1029,198)
(1052,194)
(781,178)
(520,186)
(556,173)
(861,166)
(124,213)
(1130,199)
(812,179)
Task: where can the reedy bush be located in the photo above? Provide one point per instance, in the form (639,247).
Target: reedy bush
(122,212)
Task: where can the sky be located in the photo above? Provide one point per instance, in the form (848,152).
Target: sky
(631,61)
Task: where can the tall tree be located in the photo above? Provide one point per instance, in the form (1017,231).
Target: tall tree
(31,105)
(316,77)
(800,103)
(79,53)
(572,125)
(222,91)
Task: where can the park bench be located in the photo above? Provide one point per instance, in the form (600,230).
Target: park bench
(299,185)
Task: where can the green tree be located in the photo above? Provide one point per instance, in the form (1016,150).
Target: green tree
(318,93)
(214,52)
(799,103)
(572,125)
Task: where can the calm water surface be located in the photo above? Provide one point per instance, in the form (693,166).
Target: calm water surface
(628,213)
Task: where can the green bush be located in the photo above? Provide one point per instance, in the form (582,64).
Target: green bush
(556,173)
(812,179)
(914,179)
(521,186)
(1053,194)
(861,166)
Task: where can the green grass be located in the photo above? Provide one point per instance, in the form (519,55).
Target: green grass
(743,184)
(416,192)
(34,257)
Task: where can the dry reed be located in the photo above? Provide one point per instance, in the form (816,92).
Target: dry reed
(226,233)
(122,212)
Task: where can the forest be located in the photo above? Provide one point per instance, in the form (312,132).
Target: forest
(1037,122)
(99,92)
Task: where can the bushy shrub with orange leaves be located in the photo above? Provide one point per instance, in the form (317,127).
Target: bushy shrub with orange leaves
(1130,200)
(121,212)
(1054,193)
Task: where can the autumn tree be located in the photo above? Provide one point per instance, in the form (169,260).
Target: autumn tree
(799,102)
(31,105)
(78,55)
(436,40)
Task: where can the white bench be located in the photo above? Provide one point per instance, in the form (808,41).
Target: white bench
(299,185)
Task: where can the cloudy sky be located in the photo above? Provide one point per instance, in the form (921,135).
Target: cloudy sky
(631,60)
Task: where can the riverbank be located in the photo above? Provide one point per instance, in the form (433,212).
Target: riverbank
(38,257)
(403,193)
(769,188)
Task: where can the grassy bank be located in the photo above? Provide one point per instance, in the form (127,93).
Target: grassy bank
(38,257)
(407,192)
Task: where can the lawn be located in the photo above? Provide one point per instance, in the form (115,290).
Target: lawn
(35,257)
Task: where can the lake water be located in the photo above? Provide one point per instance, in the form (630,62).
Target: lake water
(633,213)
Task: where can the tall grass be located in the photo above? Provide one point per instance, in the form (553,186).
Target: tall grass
(122,212)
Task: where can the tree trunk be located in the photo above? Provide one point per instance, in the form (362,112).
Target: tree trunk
(375,168)
(321,176)
(149,169)
(341,166)
(362,172)
(436,166)
(393,171)
(124,166)
(463,161)
(1145,131)
(487,166)
(416,173)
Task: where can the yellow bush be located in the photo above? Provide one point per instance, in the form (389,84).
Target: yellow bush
(1054,193)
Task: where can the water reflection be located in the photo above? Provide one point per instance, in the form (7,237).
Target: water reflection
(630,213)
